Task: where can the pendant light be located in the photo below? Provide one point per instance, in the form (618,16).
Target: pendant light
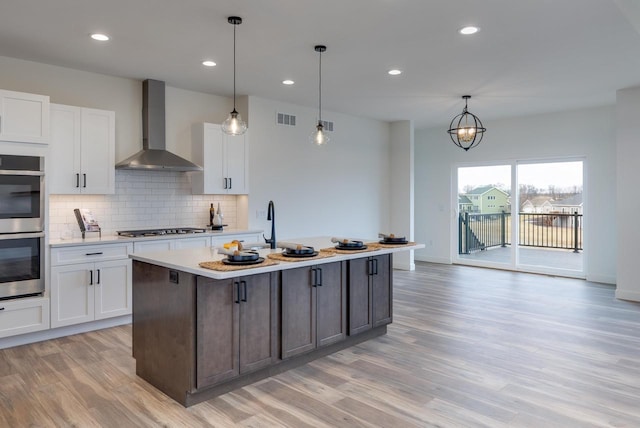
(319,137)
(234,125)
(466,130)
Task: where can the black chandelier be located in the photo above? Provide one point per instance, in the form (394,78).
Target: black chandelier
(466,130)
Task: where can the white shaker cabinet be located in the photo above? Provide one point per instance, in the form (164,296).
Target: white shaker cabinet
(24,117)
(90,282)
(224,160)
(82,150)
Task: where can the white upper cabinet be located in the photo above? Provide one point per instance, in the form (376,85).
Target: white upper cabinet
(224,160)
(82,151)
(24,117)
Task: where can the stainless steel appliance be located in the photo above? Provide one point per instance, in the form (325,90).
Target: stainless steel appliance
(159,232)
(21,194)
(21,264)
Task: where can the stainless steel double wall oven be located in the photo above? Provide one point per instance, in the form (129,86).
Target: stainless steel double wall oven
(21,226)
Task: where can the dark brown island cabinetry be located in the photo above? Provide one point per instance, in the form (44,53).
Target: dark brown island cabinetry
(236,326)
(370,293)
(314,307)
(195,337)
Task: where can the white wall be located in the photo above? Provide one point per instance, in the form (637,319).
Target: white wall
(338,189)
(588,133)
(628,154)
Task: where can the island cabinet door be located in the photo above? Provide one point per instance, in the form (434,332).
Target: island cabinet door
(331,305)
(217,331)
(258,321)
(381,290)
(298,311)
(360,271)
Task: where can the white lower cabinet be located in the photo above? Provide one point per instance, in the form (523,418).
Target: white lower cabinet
(24,316)
(98,288)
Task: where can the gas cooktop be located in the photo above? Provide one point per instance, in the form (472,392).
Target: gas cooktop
(159,232)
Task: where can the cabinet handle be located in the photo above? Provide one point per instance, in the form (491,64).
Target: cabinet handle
(314,277)
(244,289)
(77,180)
(375,266)
(90,277)
(230,183)
(225,183)
(237,289)
(98,282)
(320,276)
(370,267)
(84,177)
(1,309)
(93,254)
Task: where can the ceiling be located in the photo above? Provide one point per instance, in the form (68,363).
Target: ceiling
(531,56)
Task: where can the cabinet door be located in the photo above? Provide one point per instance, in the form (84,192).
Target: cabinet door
(298,312)
(64,175)
(359,296)
(258,321)
(217,331)
(331,307)
(112,288)
(207,151)
(97,152)
(24,117)
(72,294)
(381,290)
(235,154)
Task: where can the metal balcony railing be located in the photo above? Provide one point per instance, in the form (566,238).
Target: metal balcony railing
(477,232)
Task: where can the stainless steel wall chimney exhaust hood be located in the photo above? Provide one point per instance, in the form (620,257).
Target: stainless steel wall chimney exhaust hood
(154,156)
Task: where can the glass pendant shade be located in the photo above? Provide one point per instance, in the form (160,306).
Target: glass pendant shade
(319,136)
(466,130)
(234,125)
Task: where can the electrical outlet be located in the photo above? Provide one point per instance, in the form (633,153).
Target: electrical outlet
(261,214)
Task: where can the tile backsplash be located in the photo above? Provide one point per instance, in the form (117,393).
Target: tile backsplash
(143,199)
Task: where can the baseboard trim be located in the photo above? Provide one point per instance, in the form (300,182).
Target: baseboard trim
(601,279)
(439,260)
(54,333)
(633,296)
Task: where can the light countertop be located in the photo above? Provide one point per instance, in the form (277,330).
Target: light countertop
(187,260)
(93,239)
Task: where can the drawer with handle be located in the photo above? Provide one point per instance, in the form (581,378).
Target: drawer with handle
(90,253)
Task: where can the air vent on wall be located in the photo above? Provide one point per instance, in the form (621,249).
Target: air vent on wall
(328,126)
(285,119)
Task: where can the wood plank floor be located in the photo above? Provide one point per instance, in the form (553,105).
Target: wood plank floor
(469,347)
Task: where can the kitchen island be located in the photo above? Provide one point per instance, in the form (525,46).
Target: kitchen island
(198,333)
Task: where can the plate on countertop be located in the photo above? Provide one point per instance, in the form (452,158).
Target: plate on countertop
(299,255)
(242,263)
(350,247)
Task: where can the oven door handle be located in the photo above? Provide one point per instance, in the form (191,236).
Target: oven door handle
(21,235)
(15,172)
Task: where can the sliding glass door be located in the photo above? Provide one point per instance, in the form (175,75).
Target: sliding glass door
(537,228)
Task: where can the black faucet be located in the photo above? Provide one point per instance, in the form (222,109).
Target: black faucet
(271,215)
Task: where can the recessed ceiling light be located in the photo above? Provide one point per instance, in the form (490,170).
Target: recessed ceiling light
(394,72)
(100,37)
(288,82)
(469,30)
(209,63)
